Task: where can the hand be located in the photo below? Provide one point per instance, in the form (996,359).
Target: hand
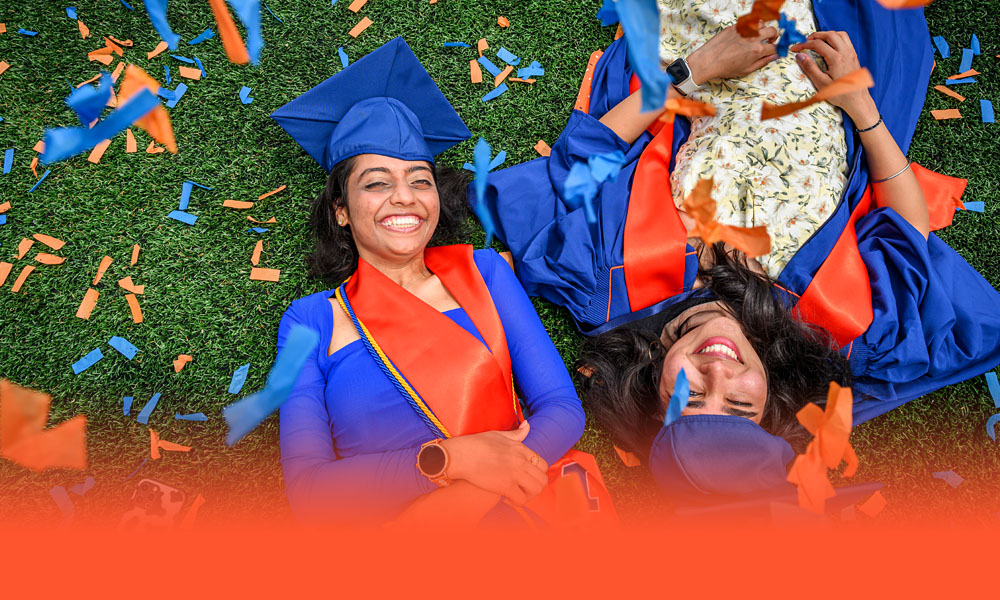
(498,462)
(729,54)
(837,50)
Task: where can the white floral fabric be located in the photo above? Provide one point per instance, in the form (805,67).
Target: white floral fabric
(788,173)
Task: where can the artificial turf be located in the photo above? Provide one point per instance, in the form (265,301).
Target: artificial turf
(200,301)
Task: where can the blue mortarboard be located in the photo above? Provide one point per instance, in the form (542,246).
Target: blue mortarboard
(384,103)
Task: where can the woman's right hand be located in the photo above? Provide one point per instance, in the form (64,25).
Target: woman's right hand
(498,462)
(729,54)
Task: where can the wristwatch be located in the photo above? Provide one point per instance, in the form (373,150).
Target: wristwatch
(680,73)
(432,462)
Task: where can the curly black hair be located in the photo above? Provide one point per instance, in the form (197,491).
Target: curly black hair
(800,360)
(335,256)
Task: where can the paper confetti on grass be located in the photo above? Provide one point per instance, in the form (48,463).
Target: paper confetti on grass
(84,30)
(508,57)
(239,379)
(503,22)
(5,268)
(950,113)
(26,441)
(101,269)
(190,417)
(148,409)
(180,361)
(135,254)
(963,75)
(130,145)
(248,12)
(271,220)
(986,108)
(272,192)
(495,92)
(123,346)
(190,73)
(202,37)
(542,148)
(947,92)
(255,258)
(476,73)
(873,505)
(127,405)
(365,23)
(356,5)
(82,488)
(8,160)
(344,61)
(156,444)
(942,46)
(533,70)
(856,80)
(232,41)
(237,204)
(481,45)
(975,206)
(21,278)
(950,477)
(481,166)
(699,205)
(183,217)
(39,182)
(960,81)
(258,274)
(456,45)
(186,189)
(157,11)
(257,230)
(503,75)
(87,361)
(156,122)
(98,151)
(44,257)
(178,93)
(133,305)
(23,246)
(489,66)
(245,95)
(244,415)
(160,48)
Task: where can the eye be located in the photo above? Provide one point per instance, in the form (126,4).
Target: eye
(695,394)
(423,183)
(375,185)
(739,403)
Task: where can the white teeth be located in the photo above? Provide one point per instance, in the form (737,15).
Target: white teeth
(403,222)
(722,348)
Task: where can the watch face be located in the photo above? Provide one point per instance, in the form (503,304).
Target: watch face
(678,71)
(432,460)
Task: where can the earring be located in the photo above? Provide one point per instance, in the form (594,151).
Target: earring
(341,221)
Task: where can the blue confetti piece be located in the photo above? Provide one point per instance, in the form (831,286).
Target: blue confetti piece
(244,415)
(27,32)
(276,16)
(148,409)
(239,378)
(344,61)
(64,142)
(498,160)
(183,217)
(165,94)
(508,57)
(975,206)
(974,44)
(123,346)
(203,36)
(495,92)
(3,219)
(87,361)
(191,417)
(40,180)
(245,95)
(991,425)
(994,386)
(642,44)
(166,69)
(1,119)
(88,101)
(61,498)
(248,12)
(183,59)
(607,14)
(489,66)
(129,6)
(579,189)
(481,160)
(533,70)
(606,165)
(136,470)
(127,405)
(966,63)
(679,399)
(157,11)
(82,488)
(71,12)
(186,188)
(942,46)
(178,94)
(456,45)
(201,67)
(950,477)
(790,35)
(8,160)
(469,167)
(986,108)
(257,230)
(959,81)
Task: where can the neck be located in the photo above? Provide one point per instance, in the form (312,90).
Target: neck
(407,273)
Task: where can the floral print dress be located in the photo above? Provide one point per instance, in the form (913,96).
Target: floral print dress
(787,173)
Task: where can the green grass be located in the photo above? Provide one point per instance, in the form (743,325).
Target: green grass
(199,299)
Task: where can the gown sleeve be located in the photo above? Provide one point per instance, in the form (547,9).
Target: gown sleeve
(935,320)
(319,485)
(554,410)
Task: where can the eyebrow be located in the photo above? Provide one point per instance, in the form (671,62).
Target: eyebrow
(384,170)
(729,410)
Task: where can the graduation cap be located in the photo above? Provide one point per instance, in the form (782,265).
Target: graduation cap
(384,103)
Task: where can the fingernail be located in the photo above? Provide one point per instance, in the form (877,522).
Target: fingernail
(800,57)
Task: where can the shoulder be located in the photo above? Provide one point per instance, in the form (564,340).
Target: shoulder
(490,263)
(307,309)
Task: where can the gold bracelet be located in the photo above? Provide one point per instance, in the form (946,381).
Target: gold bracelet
(895,175)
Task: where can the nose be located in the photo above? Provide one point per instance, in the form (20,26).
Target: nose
(716,369)
(403,194)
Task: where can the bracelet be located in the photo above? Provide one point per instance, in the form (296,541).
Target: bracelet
(895,175)
(877,123)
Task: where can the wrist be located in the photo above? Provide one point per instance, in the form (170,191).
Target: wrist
(864,113)
(433,462)
(700,68)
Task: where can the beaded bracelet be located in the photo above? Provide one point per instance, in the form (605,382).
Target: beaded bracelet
(877,123)
(896,175)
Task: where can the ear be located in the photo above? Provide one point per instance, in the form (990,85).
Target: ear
(343,219)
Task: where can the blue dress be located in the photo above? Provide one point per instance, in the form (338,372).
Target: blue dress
(349,440)
(932,320)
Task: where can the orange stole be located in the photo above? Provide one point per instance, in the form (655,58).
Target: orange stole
(421,342)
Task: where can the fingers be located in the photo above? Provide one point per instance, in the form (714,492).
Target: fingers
(819,46)
(518,434)
(812,71)
(767,33)
(839,40)
(763,61)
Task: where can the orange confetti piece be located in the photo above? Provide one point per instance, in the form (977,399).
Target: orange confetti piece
(190,72)
(271,220)
(272,192)
(133,305)
(104,59)
(232,42)
(49,241)
(856,80)
(130,145)
(24,438)
(117,72)
(34,166)
(101,268)
(23,246)
(255,259)
(156,122)
(257,274)
(114,47)
(947,91)
(475,71)
(360,27)
(237,204)
(482,45)
(84,30)
(619,32)
(49,259)
(20,278)
(180,361)
(127,285)
(126,43)
(689,108)
(627,458)
(873,505)
(542,148)
(156,444)
(187,523)
(763,10)
(699,205)
(135,254)
(112,101)
(157,51)
(152,148)
(3,28)
(98,151)
(950,113)
(4,65)
(83,83)
(5,268)
(522,80)
(969,73)
(88,304)
(39,146)
(356,5)
(503,22)
(4,207)
(503,75)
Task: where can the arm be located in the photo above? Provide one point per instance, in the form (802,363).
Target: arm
(902,193)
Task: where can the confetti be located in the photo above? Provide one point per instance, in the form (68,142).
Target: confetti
(489,66)
(117,72)
(187,523)
(82,488)
(257,230)
(178,93)
(127,405)
(951,113)
(133,305)
(156,444)
(873,505)
(476,73)
(627,458)
(456,45)
(98,151)
(959,81)
(135,254)
(248,12)
(88,102)
(123,346)
(245,95)
(244,415)
(273,15)
(503,75)
(27,32)
(856,80)
(23,246)
(84,30)
(344,61)
(190,73)
(88,304)
(356,5)
(950,477)
(790,35)
(966,63)
(4,207)
(503,22)
(272,192)
(127,285)
(39,182)
(365,23)
(43,257)
(147,410)
(87,361)
(944,90)
(969,73)
(190,417)
(974,45)
(942,46)
(5,268)
(232,42)
(183,217)
(21,278)
(180,361)
(130,145)
(986,108)
(166,72)
(203,36)
(258,274)
(255,258)
(271,220)
(507,56)
(495,92)
(533,70)
(4,65)
(101,269)
(71,12)
(239,378)
(975,206)
(481,160)
(678,399)
(753,241)
(26,441)
(8,160)
(157,51)
(157,10)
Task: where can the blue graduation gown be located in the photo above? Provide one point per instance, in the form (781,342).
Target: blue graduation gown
(560,257)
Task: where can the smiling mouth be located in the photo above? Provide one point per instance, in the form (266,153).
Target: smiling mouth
(720,347)
(401,223)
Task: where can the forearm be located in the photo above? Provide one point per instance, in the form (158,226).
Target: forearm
(628,120)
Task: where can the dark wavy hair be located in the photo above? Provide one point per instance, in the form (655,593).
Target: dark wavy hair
(335,256)
(622,367)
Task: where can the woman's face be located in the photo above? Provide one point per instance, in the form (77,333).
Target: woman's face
(392,207)
(725,374)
